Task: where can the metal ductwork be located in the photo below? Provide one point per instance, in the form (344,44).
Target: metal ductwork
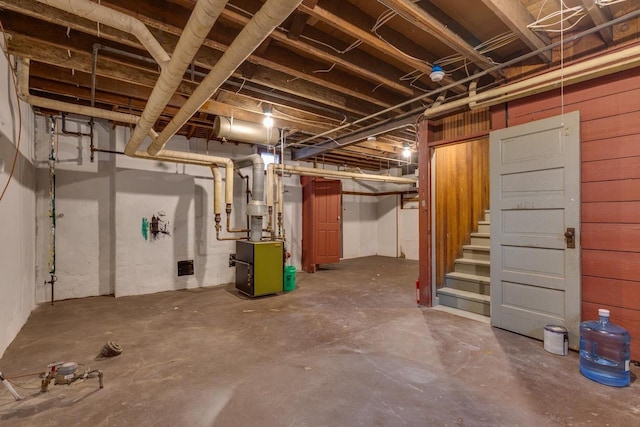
(239,130)
(256,209)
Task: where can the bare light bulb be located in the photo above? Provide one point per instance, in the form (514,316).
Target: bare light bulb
(268,121)
(406,152)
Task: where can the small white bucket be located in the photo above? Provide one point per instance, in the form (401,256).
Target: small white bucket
(556,340)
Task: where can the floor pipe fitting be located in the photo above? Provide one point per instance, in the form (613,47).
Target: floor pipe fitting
(9,387)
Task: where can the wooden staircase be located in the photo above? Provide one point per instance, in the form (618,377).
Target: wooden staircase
(467,288)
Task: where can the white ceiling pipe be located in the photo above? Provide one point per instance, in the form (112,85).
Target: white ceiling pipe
(301,170)
(567,81)
(280,194)
(240,130)
(270,185)
(170,156)
(596,67)
(270,15)
(202,18)
(112,18)
(38,101)
(217,190)
(202,159)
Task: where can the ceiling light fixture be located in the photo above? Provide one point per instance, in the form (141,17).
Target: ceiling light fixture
(268,116)
(406,151)
(437,73)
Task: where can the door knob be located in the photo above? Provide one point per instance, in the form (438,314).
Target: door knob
(570,237)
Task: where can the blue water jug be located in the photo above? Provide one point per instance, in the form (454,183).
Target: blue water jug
(605,351)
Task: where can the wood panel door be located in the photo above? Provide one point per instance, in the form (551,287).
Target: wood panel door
(328,208)
(321,222)
(535,203)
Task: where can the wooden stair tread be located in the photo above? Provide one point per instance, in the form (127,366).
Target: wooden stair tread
(471,296)
(472,261)
(481,235)
(463,313)
(469,277)
(477,248)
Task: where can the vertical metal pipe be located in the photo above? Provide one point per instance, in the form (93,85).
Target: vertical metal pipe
(94,67)
(52,204)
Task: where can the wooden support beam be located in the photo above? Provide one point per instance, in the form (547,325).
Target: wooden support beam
(425,154)
(516,16)
(299,21)
(419,17)
(333,90)
(359,33)
(599,16)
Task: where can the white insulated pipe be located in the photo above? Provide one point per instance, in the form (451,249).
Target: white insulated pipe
(270,185)
(52,104)
(599,66)
(301,170)
(240,130)
(198,159)
(202,18)
(217,190)
(271,14)
(280,194)
(112,18)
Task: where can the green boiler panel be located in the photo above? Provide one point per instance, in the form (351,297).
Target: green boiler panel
(259,267)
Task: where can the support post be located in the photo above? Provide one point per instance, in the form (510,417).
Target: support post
(425,134)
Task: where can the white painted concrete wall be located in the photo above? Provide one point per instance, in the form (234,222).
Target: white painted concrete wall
(101,248)
(408,231)
(387,223)
(17,211)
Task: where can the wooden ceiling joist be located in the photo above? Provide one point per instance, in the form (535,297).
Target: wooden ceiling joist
(517,17)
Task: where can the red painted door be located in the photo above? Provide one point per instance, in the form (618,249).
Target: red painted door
(327,221)
(321,233)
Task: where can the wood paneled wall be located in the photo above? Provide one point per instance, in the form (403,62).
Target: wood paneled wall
(461,186)
(610,185)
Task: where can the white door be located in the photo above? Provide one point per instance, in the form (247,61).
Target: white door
(535,205)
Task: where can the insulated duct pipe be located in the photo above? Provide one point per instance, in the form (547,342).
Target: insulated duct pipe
(256,209)
(38,101)
(599,66)
(239,130)
(217,190)
(203,16)
(271,14)
(166,155)
(103,15)
(305,171)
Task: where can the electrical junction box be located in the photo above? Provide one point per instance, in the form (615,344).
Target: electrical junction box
(259,267)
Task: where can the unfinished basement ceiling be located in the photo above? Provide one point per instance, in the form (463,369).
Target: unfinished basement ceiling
(331,63)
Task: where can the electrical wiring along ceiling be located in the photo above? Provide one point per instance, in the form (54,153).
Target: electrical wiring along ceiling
(331,63)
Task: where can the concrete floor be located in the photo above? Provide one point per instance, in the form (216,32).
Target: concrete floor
(348,347)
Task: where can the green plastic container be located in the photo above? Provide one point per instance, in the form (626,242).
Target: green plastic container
(289,278)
